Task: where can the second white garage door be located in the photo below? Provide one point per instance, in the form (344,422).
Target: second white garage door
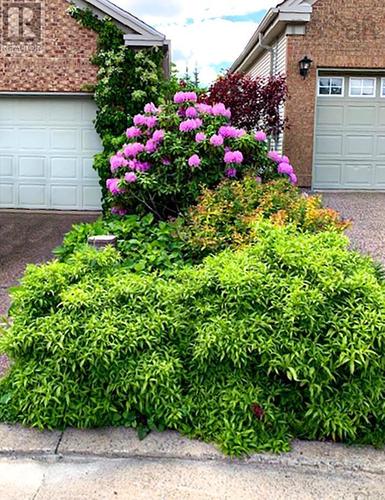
(47,146)
(350,132)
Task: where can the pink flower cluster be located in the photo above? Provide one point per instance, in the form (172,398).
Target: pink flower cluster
(181,97)
(147,121)
(194,161)
(191,124)
(113,187)
(229,132)
(132,150)
(233,157)
(284,166)
(150,108)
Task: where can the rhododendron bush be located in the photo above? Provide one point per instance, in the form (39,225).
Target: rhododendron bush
(173,152)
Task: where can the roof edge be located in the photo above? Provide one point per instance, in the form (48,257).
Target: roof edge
(125,18)
(285,13)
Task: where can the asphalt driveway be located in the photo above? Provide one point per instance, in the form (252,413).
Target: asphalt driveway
(27,237)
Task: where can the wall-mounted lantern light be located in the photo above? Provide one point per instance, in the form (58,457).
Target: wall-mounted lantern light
(304,66)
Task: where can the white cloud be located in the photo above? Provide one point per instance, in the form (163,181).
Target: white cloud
(197,30)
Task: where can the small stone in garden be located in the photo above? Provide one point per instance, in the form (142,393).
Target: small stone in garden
(102,241)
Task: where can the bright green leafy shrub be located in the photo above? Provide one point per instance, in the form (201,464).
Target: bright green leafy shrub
(226,216)
(278,340)
(143,244)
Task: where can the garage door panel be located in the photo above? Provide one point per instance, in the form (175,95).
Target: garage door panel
(7,194)
(379,174)
(47,146)
(6,166)
(381,116)
(327,145)
(33,195)
(32,167)
(30,111)
(88,172)
(64,139)
(330,115)
(32,138)
(91,197)
(60,111)
(90,140)
(360,115)
(328,174)
(64,168)
(64,197)
(380,146)
(359,145)
(8,139)
(357,174)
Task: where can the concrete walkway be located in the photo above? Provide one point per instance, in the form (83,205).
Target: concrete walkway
(113,463)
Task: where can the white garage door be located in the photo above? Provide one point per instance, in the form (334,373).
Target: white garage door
(46,150)
(350,132)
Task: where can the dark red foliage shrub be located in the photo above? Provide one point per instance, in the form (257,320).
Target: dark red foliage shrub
(254,102)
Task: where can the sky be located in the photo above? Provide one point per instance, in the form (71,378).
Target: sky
(209,34)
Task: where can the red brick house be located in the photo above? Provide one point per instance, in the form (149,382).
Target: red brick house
(47,137)
(336,111)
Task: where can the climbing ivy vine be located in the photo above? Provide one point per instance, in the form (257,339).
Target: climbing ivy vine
(126,80)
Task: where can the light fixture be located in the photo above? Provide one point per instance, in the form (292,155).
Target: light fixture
(304,66)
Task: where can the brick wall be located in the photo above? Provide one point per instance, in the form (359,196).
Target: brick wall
(54,58)
(341,34)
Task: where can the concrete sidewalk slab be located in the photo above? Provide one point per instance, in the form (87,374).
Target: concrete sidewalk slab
(124,443)
(18,440)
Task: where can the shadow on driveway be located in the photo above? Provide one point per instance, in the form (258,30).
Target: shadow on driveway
(30,237)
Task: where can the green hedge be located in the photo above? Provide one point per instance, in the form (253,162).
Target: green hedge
(144,245)
(250,349)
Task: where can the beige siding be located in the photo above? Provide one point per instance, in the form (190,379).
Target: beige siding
(280,48)
(262,66)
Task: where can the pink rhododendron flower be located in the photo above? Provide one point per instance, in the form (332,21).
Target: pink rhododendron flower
(181,97)
(158,135)
(293,179)
(116,161)
(191,112)
(204,108)
(151,146)
(200,137)
(216,140)
(191,124)
(221,110)
(258,179)
(150,108)
(133,132)
(133,149)
(151,121)
(274,156)
(113,187)
(130,177)
(231,172)
(231,132)
(194,161)
(260,136)
(140,120)
(119,211)
(233,157)
(285,168)
(285,159)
